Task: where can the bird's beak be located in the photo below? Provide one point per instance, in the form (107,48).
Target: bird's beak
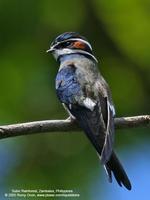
(50,50)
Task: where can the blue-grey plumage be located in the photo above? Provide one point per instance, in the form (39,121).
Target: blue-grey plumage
(86,95)
(79,84)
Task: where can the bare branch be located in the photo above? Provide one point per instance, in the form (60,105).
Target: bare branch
(65,126)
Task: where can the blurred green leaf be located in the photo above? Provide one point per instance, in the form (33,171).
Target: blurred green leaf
(63,15)
(127,22)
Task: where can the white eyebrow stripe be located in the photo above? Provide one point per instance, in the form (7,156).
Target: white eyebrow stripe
(74,39)
(81,40)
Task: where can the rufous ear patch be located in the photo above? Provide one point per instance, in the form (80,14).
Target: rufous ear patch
(79,45)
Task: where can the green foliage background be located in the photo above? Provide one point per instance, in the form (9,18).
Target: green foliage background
(119,32)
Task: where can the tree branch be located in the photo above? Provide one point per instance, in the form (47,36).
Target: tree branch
(65,126)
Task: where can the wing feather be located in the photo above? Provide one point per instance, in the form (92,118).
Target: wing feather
(109,138)
(90,123)
(93,115)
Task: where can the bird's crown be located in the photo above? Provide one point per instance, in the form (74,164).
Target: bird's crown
(67,36)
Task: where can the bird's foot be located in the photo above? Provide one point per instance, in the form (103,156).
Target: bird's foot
(71,119)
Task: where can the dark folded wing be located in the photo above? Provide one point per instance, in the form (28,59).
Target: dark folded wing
(95,122)
(90,122)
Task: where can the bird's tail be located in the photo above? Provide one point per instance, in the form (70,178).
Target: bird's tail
(114,166)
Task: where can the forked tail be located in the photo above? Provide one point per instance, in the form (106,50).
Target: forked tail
(114,166)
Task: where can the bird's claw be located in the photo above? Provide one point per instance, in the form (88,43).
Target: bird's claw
(71,119)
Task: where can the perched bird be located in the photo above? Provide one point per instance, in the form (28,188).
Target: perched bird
(86,96)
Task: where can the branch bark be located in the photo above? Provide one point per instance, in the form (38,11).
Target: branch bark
(65,126)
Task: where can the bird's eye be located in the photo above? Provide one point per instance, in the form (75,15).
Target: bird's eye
(68,43)
(65,44)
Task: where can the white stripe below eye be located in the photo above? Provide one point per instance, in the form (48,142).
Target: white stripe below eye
(85,52)
(59,52)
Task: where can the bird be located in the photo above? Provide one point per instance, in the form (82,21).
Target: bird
(86,96)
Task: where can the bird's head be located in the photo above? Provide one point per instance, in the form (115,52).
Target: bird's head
(71,43)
